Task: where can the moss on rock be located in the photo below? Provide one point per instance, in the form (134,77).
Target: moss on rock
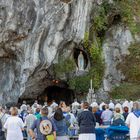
(130,67)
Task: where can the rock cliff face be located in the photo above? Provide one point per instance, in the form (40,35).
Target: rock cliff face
(115,47)
(116,44)
(31,34)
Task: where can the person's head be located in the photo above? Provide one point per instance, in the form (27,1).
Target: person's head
(36,101)
(31,111)
(103,107)
(136,106)
(24,102)
(14,111)
(117,110)
(38,110)
(106,106)
(28,107)
(35,105)
(24,107)
(126,109)
(75,100)
(85,105)
(44,111)
(53,101)
(62,104)
(45,103)
(58,115)
(94,109)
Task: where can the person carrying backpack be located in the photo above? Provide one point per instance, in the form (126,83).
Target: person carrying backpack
(118,118)
(45,128)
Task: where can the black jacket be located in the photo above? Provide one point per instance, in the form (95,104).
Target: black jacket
(2,135)
(87,122)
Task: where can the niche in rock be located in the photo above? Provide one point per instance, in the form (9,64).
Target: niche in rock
(114,18)
(76,54)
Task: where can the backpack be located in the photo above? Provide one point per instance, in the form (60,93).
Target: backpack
(45,128)
(67,120)
(118,122)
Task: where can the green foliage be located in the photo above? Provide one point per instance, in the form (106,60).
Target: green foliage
(130,66)
(100,21)
(86,40)
(64,67)
(137,28)
(98,66)
(103,18)
(126,91)
(80,84)
(127,9)
(95,51)
(96,72)
(93,44)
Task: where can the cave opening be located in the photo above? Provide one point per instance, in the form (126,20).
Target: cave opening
(117,19)
(58,94)
(57,90)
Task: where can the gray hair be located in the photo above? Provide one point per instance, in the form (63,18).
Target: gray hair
(44,111)
(136,106)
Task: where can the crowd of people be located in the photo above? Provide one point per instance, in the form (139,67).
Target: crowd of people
(59,121)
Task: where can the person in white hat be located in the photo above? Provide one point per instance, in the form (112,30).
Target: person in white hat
(127,104)
(118,105)
(75,106)
(111,105)
(101,105)
(94,104)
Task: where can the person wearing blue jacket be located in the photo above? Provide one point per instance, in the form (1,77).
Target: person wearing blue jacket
(61,125)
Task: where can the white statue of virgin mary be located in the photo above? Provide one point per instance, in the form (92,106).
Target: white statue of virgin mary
(81,61)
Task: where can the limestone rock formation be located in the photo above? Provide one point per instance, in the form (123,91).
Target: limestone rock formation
(114,48)
(31,34)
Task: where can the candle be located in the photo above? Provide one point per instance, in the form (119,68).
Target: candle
(91,84)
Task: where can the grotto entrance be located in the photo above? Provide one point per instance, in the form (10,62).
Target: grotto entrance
(58,94)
